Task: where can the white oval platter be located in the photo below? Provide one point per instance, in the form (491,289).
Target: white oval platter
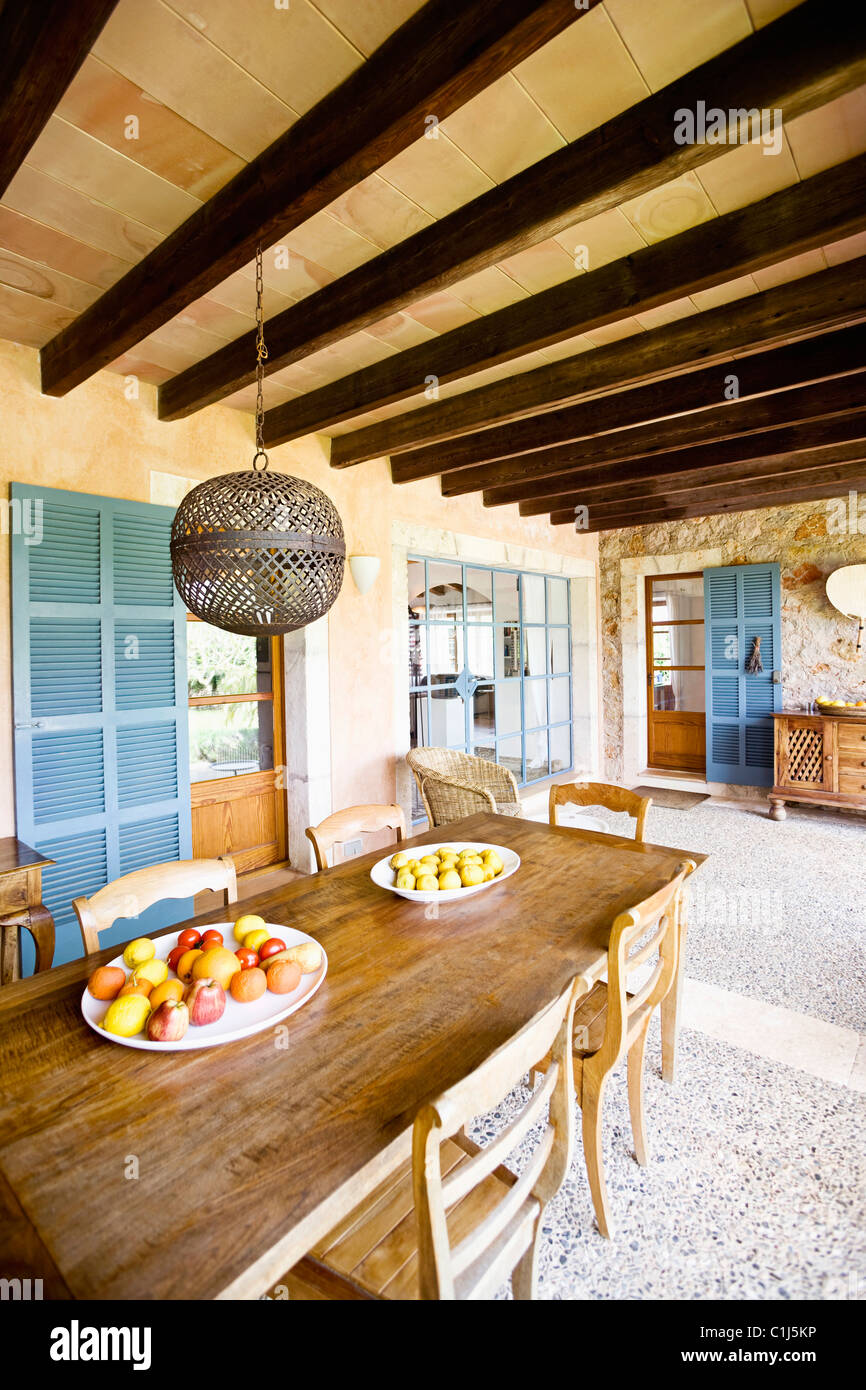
(383,875)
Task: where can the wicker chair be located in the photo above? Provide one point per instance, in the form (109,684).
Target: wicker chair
(454,785)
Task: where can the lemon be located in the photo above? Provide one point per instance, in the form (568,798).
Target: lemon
(414,866)
(427,883)
(138,951)
(399,861)
(404,879)
(250,921)
(127,1016)
(471,874)
(491,860)
(489,874)
(254,939)
(444,851)
(154,970)
(449,879)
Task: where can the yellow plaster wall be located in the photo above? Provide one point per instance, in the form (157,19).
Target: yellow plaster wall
(96,440)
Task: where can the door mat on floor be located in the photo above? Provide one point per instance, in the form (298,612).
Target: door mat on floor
(673,798)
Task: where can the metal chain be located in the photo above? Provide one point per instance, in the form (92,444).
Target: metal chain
(261,356)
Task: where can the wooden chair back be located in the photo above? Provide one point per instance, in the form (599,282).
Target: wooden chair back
(602,794)
(134,893)
(352,823)
(650,926)
(483,1260)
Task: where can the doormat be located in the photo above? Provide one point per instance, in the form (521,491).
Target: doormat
(672,798)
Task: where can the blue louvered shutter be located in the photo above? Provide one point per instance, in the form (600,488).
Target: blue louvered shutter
(100,700)
(742,602)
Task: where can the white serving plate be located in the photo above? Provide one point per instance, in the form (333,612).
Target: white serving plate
(383,875)
(238,1021)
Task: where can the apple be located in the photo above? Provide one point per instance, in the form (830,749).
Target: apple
(168,1022)
(206,1001)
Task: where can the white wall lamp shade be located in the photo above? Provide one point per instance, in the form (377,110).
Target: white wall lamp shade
(364,569)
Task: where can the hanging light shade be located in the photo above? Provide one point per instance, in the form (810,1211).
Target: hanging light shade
(257,553)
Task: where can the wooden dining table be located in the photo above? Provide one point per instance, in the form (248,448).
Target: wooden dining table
(133,1175)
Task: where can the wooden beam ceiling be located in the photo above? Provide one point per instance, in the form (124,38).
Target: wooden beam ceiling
(827,299)
(840,438)
(821,209)
(793,65)
(796,364)
(823,483)
(437,61)
(513,480)
(42,45)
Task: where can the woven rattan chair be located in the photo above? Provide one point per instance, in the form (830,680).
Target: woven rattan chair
(454,785)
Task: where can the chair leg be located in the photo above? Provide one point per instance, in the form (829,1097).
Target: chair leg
(592,1103)
(524,1278)
(636,1055)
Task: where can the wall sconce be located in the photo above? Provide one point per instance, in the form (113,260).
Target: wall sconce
(846,590)
(364,569)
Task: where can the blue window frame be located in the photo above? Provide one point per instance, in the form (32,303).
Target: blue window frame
(490,665)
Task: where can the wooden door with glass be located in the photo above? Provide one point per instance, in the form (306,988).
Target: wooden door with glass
(236,746)
(676,697)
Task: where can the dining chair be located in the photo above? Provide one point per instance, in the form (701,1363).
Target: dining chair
(612,798)
(134,893)
(454,1222)
(454,784)
(347,825)
(610,1021)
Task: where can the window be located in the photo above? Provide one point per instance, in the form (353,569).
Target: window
(231,702)
(490,666)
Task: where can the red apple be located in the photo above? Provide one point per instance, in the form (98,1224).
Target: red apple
(206,1001)
(168,1022)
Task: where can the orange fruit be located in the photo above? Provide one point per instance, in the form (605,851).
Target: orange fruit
(283,976)
(106,982)
(169,989)
(186,963)
(136,985)
(247,985)
(218,963)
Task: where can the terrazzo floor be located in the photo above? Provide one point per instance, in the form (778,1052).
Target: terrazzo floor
(756,1186)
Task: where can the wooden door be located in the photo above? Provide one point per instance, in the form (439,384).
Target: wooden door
(676,719)
(236,746)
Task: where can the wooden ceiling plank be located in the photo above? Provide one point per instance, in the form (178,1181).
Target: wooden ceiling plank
(809,214)
(787,66)
(724,458)
(514,480)
(775,369)
(42,46)
(436,61)
(825,483)
(826,300)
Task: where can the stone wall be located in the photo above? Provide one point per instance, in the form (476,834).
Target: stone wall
(809,541)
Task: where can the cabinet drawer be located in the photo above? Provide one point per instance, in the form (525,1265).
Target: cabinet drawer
(852,783)
(851,736)
(853,761)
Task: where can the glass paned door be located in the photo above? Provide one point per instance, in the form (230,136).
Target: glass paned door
(676,721)
(490,665)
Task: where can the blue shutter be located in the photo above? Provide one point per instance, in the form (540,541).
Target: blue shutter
(100,701)
(742,602)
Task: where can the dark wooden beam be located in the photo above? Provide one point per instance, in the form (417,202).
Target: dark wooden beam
(838,439)
(509,480)
(796,364)
(42,45)
(434,63)
(792,65)
(828,299)
(828,482)
(825,208)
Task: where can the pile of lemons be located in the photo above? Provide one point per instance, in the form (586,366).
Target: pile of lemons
(445,869)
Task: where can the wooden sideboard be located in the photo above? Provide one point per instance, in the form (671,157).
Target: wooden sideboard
(819,759)
(21,906)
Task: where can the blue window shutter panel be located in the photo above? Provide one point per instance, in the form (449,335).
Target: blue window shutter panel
(742,602)
(100,702)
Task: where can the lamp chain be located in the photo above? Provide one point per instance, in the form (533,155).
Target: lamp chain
(261,356)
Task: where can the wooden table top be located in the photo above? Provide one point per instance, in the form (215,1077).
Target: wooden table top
(15,856)
(249,1153)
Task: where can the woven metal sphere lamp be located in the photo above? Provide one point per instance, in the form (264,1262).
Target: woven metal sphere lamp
(258,553)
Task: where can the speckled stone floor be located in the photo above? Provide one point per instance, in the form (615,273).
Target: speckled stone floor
(756,1186)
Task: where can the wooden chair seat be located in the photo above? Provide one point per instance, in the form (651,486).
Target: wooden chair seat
(590,1022)
(373,1253)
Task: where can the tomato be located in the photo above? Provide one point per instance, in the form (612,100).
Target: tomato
(175,955)
(211,938)
(247,958)
(271,947)
(189,939)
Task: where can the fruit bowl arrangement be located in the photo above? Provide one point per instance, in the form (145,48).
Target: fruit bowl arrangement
(841,708)
(445,873)
(188,989)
